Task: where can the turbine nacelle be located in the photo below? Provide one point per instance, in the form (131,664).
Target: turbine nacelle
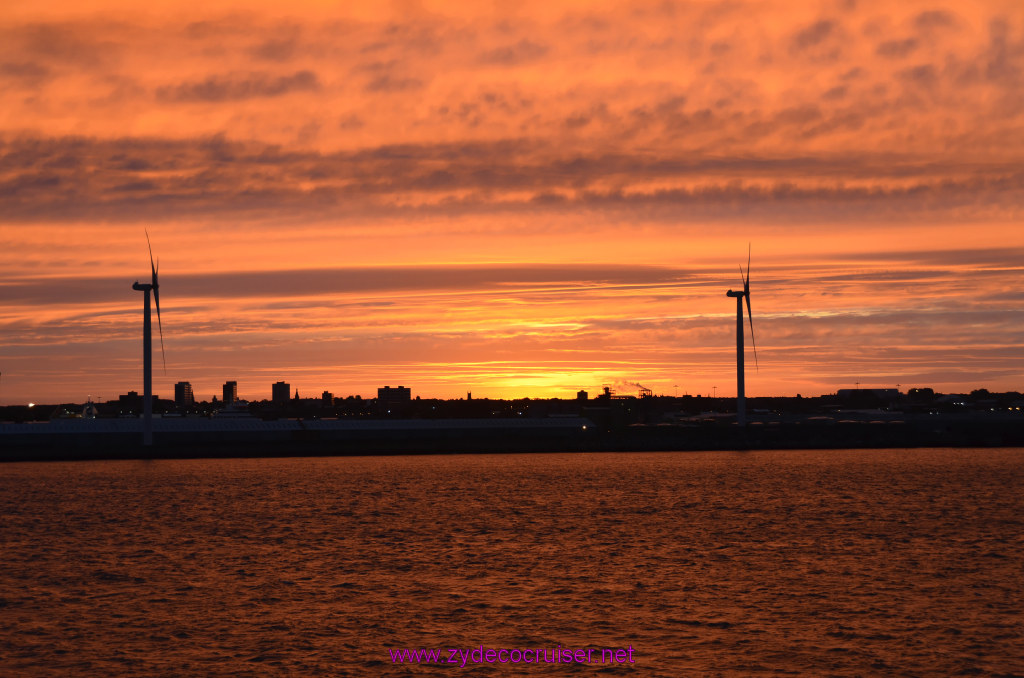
(740,297)
(154,268)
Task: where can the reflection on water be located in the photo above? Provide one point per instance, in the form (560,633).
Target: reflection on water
(846,563)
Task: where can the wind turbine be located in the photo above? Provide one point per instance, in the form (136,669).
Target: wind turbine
(147,347)
(741,404)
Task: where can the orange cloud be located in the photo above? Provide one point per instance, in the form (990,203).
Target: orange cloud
(527,202)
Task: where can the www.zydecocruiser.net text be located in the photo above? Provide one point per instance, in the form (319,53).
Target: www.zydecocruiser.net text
(464,656)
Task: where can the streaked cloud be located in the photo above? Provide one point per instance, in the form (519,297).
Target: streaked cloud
(235,87)
(316,282)
(131,178)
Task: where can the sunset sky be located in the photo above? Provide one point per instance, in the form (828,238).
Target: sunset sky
(514,199)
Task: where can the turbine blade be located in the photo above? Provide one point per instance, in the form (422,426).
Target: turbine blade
(156,298)
(746,281)
(750,317)
(152,267)
(160,324)
(155,268)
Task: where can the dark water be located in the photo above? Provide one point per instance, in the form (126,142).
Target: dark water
(843,563)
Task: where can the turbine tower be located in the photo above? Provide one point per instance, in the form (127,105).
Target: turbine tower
(741,403)
(147,347)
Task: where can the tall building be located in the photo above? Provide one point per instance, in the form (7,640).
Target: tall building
(230,392)
(280,392)
(394,396)
(131,402)
(394,401)
(183,394)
